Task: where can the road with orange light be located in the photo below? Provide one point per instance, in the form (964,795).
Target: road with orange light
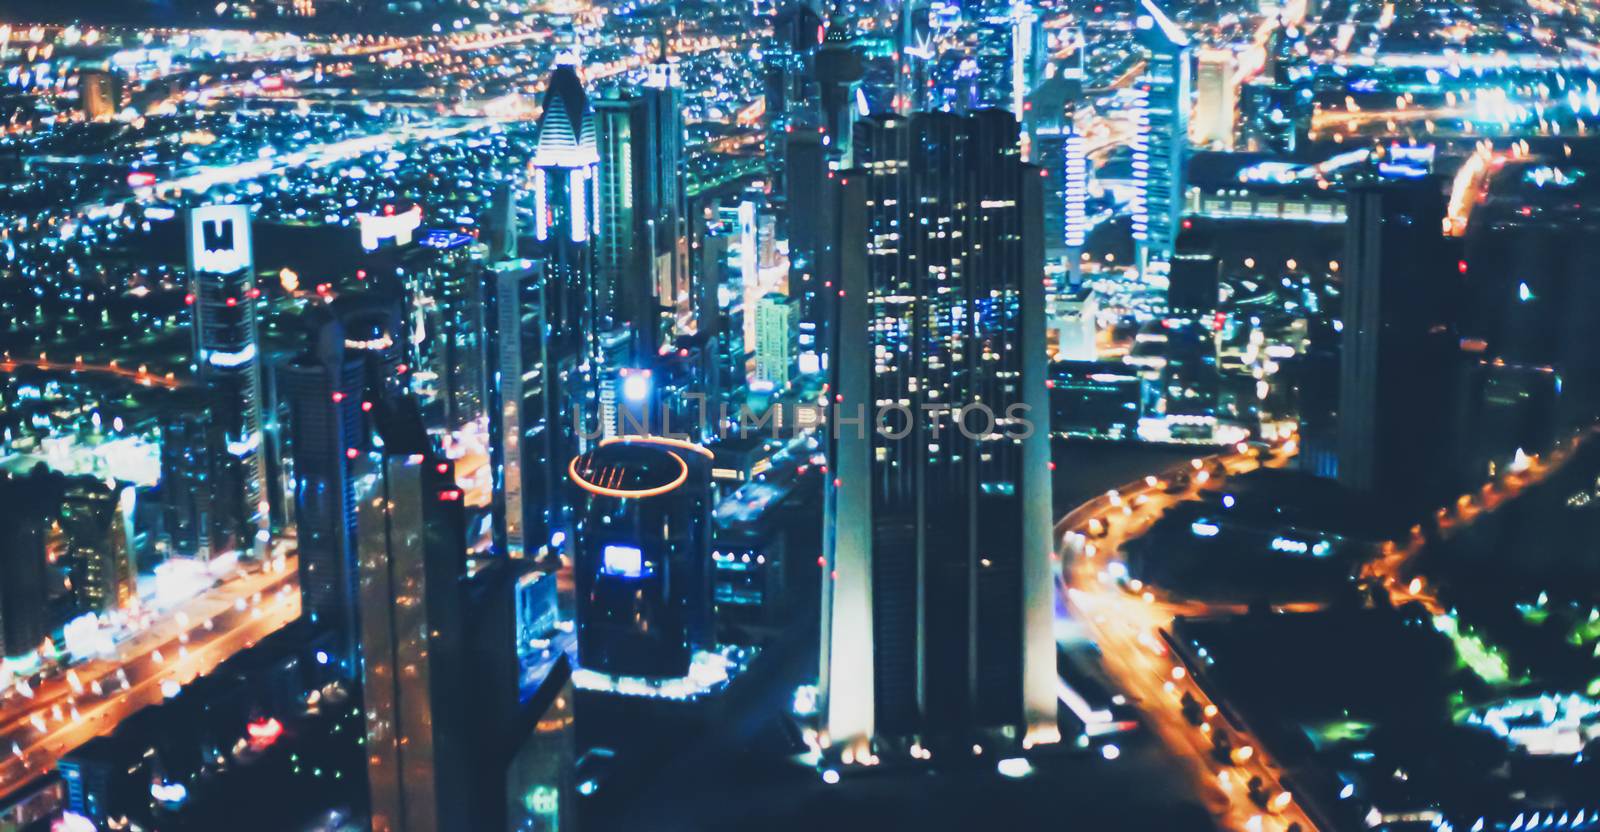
(169,380)
(1127,622)
(37,728)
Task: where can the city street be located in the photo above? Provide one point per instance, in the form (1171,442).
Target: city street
(1127,621)
(90,699)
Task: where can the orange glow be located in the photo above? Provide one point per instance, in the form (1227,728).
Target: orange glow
(639,494)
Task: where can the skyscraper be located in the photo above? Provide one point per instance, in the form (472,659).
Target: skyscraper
(937,610)
(523,420)
(1163,134)
(227,348)
(1059,150)
(325,390)
(566,218)
(1399,357)
(412,533)
(643,245)
(564,165)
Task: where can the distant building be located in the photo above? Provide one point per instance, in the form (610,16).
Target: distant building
(96,524)
(27,584)
(643,250)
(1217,101)
(99,94)
(447,328)
(1163,134)
(774,340)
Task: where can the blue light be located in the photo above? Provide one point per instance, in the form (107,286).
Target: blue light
(1202,528)
(322,657)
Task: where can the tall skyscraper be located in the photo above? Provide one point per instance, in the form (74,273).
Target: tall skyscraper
(643,243)
(523,419)
(937,606)
(1028,55)
(1399,359)
(1059,149)
(1217,101)
(227,349)
(1163,134)
(412,534)
(565,165)
(565,184)
(326,393)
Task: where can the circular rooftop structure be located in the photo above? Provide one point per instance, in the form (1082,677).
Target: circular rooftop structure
(629,470)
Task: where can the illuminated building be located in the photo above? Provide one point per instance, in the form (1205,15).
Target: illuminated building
(719,315)
(327,396)
(1059,150)
(99,94)
(1028,54)
(938,544)
(643,552)
(642,245)
(566,218)
(1074,316)
(1399,359)
(186,463)
(1094,400)
(774,341)
(1217,104)
(412,536)
(447,329)
(524,421)
(95,521)
(227,351)
(1163,134)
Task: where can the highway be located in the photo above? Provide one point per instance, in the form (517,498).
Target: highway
(40,724)
(1127,622)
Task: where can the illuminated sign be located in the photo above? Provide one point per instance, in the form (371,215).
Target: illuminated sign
(219,239)
(622,561)
(375,228)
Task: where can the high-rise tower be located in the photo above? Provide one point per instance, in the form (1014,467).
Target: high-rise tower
(936,620)
(1159,148)
(643,242)
(227,349)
